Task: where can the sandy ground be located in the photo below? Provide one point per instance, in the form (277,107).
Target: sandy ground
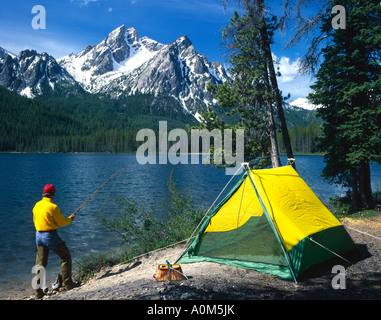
(212,281)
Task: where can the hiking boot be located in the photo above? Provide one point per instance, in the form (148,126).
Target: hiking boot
(40,293)
(72,285)
(57,283)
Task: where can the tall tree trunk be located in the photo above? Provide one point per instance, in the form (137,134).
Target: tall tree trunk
(272,133)
(365,189)
(275,88)
(355,201)
(269,108)
(256,9)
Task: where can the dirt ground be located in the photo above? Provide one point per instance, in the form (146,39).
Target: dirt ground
(212,281)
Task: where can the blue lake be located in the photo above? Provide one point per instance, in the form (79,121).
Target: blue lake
(77,176)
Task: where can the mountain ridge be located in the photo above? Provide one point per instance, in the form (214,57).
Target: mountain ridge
(125,63)
(32,74)
(122,64)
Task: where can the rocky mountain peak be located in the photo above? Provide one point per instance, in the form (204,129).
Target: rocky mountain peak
(123,63)
(4,53)
(116,42)
(119,53)
(132,35)
(32,74)
(184,42)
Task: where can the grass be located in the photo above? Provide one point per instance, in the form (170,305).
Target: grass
(362,214)
(341,208)
(89,265)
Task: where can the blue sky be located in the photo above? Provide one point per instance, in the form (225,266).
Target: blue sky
(71,25)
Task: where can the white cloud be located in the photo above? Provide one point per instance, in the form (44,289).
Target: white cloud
(287,68)
(290,81)
(86,2)
(83,2)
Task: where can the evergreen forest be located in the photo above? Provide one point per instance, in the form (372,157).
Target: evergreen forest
(98,124)
(85,123)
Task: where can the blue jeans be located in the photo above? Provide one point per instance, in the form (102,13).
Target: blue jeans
(50,240)
(47,241)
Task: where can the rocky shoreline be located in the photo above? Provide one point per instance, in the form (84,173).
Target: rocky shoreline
(212,281)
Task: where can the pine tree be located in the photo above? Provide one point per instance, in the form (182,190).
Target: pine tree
(348,87)
(257,19)
(248,95)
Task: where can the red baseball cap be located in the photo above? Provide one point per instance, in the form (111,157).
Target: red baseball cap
(49,188)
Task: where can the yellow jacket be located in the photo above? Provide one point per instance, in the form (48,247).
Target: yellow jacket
(47,216)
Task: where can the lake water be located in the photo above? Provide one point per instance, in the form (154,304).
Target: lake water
(77,176)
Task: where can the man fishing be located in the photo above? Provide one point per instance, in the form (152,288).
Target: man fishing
(47,219)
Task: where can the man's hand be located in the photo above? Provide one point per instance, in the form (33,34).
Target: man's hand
(72,216)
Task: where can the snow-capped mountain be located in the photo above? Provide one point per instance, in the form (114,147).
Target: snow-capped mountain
(32,74)
(303,103)
(121,52)
(122,64)
(125,64)
(9,75)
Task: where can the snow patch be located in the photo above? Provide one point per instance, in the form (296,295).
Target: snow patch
(27,92)
(303,103)
(198,117)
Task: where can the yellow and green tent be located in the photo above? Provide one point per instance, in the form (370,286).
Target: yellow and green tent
(271,221)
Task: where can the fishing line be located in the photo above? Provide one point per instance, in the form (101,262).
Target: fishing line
(101,207)
(97,190)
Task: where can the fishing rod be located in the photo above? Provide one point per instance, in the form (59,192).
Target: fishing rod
(97,191)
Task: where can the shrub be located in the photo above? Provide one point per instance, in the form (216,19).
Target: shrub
(144,228)
(341,206)
(91,264)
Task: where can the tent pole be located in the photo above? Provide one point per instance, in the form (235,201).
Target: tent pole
(205,216)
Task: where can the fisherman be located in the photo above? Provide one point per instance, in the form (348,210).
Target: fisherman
(47,219)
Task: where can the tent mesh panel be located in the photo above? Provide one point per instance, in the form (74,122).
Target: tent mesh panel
(254,241)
